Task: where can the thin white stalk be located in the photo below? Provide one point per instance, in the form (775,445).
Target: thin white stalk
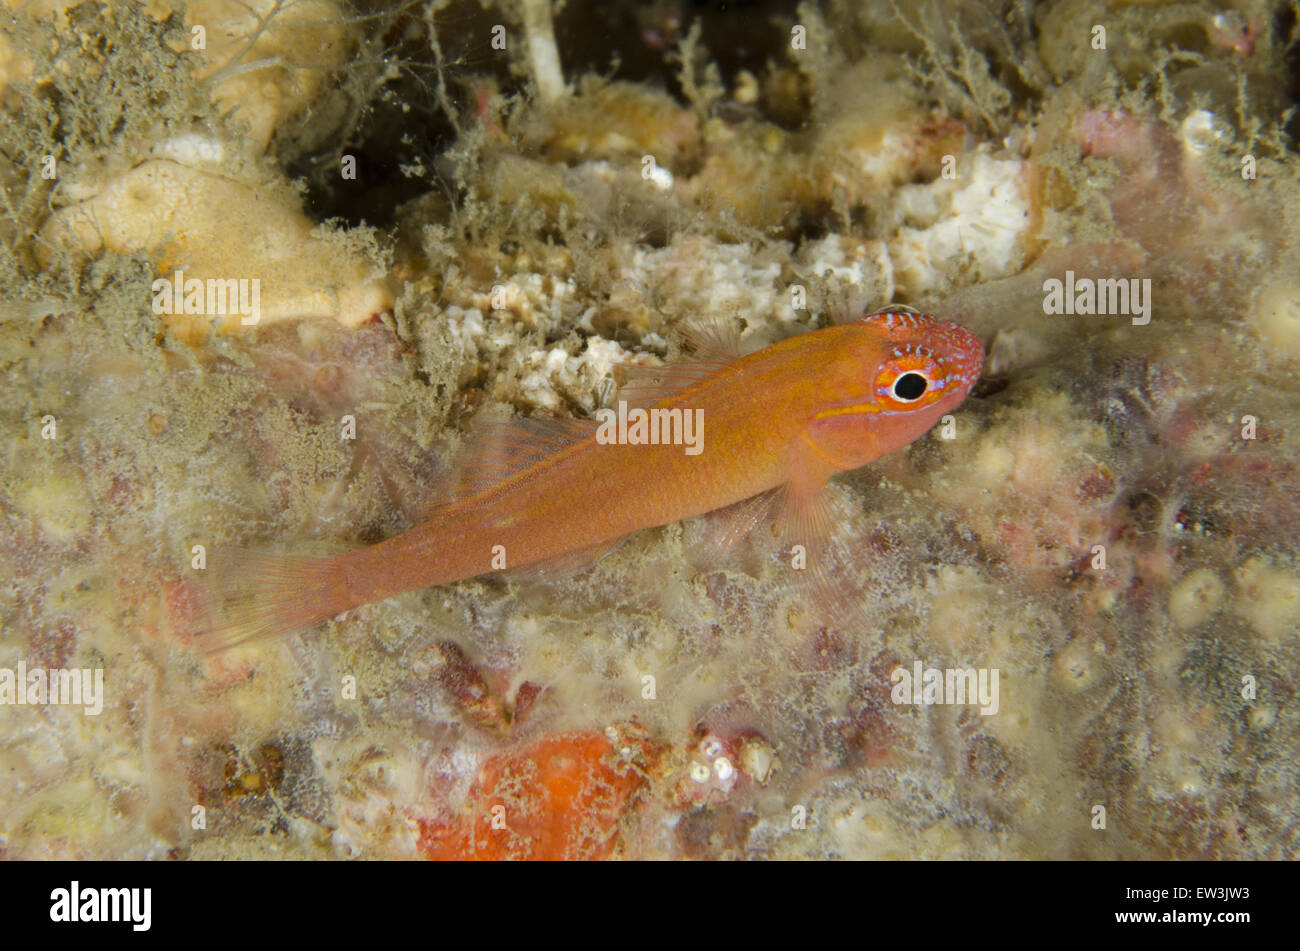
(543,54)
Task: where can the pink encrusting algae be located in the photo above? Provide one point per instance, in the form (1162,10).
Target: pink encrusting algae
(771,427)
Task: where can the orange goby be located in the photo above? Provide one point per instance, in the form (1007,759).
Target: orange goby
(748,434)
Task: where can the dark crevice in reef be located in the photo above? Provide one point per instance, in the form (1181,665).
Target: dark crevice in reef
(743,34)
(1285,24)
(402,124)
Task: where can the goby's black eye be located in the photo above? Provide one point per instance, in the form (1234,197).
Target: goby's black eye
(910,386)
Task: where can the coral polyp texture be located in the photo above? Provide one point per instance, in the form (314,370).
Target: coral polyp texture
(269,267)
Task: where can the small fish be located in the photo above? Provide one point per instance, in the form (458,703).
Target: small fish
(554,495)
